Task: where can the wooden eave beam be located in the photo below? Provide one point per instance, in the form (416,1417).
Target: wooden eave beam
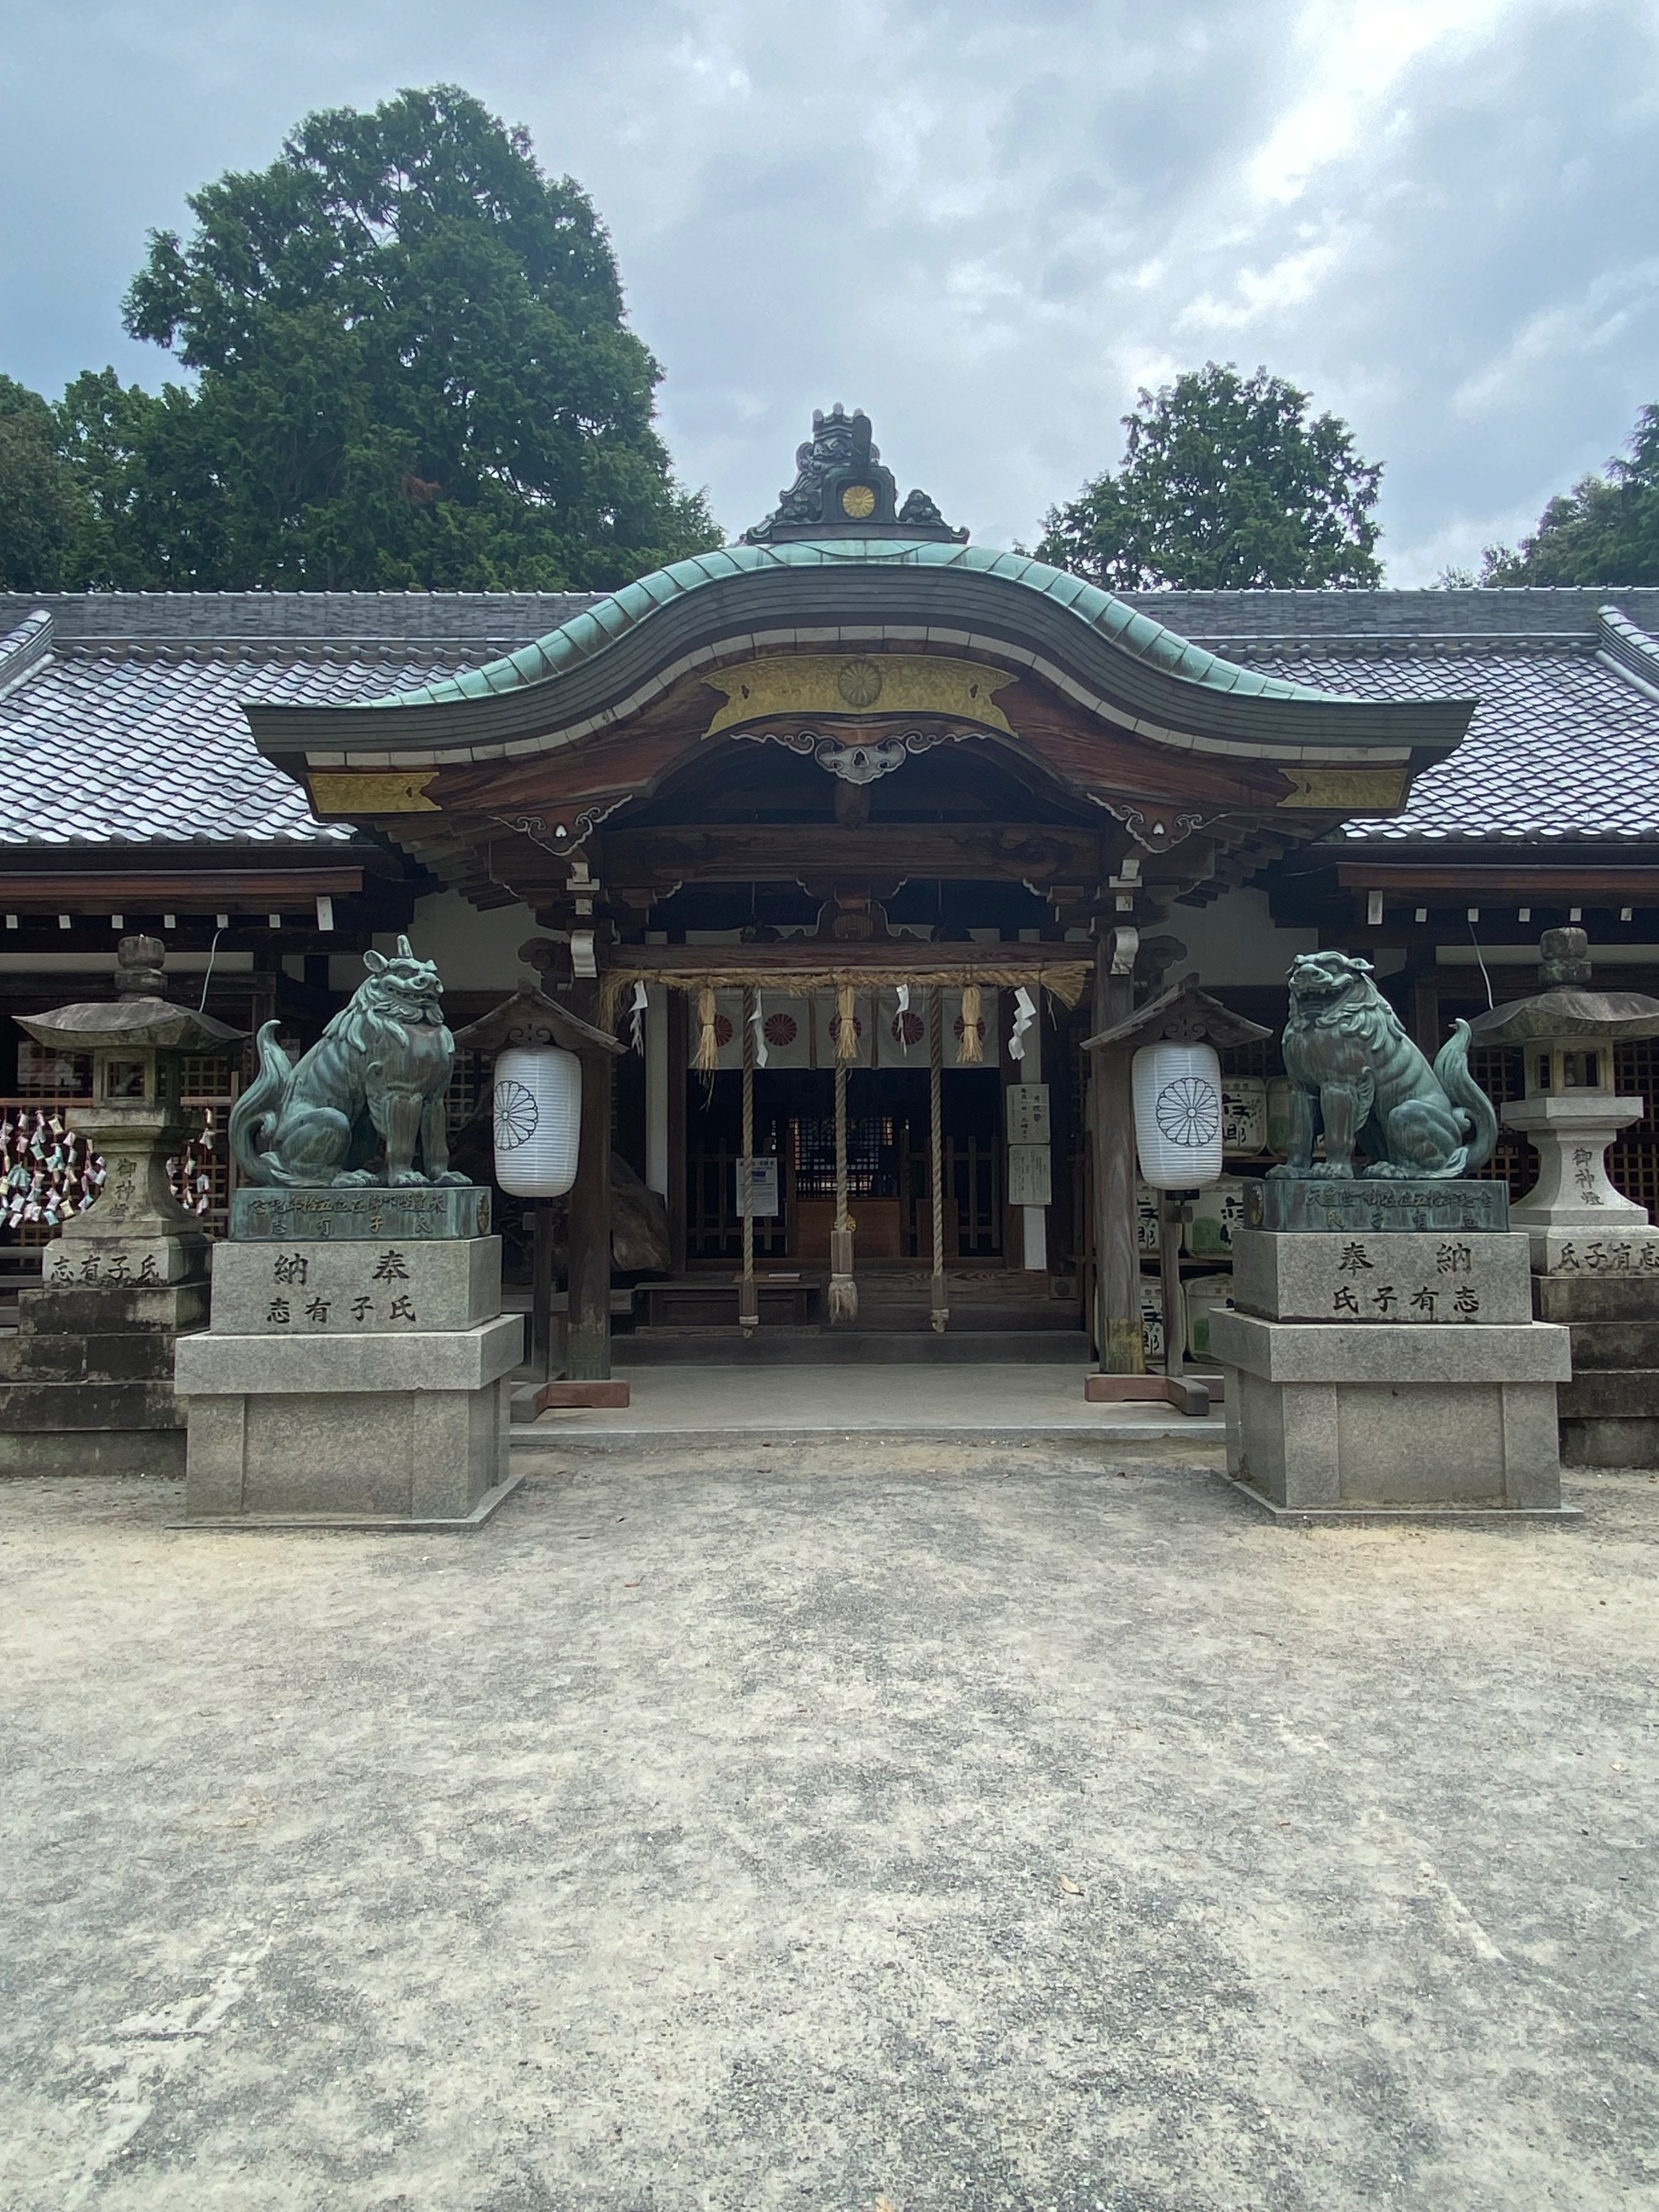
(759,852)
(207,888)
(1465,881)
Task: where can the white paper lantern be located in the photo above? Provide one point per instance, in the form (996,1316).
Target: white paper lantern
(537,1108)
(1178,1116)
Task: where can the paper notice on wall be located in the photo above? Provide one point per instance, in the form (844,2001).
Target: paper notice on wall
(1026,1105)
(1030,1180)
(757,1179)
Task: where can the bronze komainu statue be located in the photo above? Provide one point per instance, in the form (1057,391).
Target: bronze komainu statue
(1360,1079)
(378,1074)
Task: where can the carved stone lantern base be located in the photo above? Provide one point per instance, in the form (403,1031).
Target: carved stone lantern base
(86,1385)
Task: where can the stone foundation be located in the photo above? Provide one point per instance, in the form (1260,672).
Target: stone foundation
(324,1391)
(86,1385)
(1610,1410)
(1419,1404)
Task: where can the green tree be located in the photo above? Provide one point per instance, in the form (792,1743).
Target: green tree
(43,510)
(1605,530)
(412,371)
(1226,483)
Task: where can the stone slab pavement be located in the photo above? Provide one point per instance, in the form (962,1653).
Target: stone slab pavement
(994,1401)
(849,1833)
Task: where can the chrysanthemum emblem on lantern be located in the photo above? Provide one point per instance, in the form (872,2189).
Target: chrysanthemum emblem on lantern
(1178,1114)
(537,1113)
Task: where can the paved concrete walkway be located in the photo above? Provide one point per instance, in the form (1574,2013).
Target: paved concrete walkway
(1005,1403)
(1011,1830)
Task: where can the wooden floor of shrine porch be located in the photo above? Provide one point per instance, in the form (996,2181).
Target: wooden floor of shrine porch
(996,1313)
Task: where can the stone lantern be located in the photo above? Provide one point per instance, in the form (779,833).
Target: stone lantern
(87,1386)
(1572,1111)
(1594,1258)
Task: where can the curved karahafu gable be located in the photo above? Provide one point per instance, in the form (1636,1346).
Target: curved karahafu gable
(1124,673)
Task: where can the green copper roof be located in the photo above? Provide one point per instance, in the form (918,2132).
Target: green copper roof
(589,633)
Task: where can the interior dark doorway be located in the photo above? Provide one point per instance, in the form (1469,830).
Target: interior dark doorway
(889,1171)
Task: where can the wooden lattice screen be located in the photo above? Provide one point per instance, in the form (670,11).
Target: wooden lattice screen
(47,1174)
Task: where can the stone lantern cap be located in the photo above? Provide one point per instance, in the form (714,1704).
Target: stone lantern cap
(138,1017)
(1565,1008)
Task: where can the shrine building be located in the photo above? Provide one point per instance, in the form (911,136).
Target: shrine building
(853,832)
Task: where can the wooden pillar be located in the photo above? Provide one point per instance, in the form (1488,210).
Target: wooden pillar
(1171,1213)
(587,1329)
(656,1092)
(1425,1012)
(678,1208)
(1112,1140)
(542,1366)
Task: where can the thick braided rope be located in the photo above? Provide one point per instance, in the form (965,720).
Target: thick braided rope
(843,1291)
(748,1305)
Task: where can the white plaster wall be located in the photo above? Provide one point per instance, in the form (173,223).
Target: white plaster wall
(474,952)
(1235,941)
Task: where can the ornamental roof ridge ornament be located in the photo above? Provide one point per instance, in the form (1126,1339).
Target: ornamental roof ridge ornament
(842,490)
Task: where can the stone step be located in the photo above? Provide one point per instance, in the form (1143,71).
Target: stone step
(1598,1344)
(842,1347)
(1610,1394)
(1610,1442)
(905,1321)
(1597,1298)
(139,1356)
(32,1407)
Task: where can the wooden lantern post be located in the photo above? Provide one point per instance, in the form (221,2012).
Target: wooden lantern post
(531,1018)
(1112,1136)
(1185,1012)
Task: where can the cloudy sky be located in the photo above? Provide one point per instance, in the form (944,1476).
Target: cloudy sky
(986,221)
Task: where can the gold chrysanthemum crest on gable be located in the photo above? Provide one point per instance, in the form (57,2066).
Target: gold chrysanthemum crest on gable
(820,683)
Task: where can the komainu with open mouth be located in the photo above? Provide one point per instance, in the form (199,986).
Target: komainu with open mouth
(1361,1080)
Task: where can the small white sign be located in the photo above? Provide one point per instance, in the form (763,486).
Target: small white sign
(1030,1180)
(1027,1110)
(761,1177)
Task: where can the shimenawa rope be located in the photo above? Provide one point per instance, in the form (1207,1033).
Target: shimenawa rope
(843,1291)
(941,1312)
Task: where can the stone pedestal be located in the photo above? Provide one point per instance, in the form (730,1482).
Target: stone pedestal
(1572,1202)
(351,1380)
(1609,1412)
(1393,1374)
(86,1385)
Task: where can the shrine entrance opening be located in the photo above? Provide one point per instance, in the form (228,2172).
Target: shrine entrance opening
(888,1163)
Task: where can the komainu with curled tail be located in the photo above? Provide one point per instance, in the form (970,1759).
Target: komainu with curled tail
(378,1075)
(1361,1080)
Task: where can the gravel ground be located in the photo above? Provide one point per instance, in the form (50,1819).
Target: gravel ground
(767,1828)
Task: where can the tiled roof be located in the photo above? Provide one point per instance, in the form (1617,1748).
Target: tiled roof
(123,745)
(1562,746)
(121,718)
(1225,620)
(481,623)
